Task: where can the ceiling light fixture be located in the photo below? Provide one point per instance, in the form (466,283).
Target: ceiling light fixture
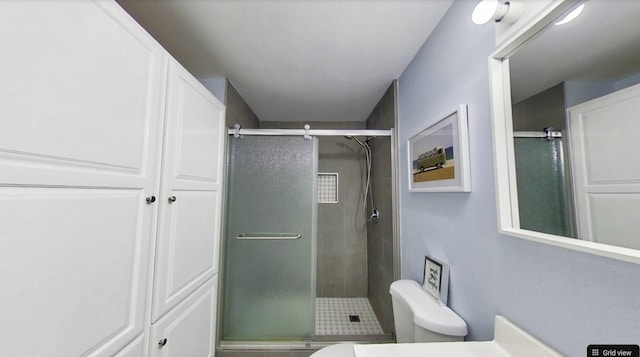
(571,16)
(487,10)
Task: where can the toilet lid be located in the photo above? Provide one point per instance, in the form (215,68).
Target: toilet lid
(427,312)
(339,350)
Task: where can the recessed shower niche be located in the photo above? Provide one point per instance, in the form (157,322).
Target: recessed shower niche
(327,187)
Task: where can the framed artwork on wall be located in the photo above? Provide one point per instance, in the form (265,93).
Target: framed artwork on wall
(439,155)
(436,279)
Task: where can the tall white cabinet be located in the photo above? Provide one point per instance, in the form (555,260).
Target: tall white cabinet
(99,130)
(189,225)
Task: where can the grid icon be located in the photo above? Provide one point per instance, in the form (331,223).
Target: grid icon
(613,350)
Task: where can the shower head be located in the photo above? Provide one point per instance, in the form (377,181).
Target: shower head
(366,139)
(356,139)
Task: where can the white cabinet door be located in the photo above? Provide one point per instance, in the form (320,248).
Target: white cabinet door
(606,167)
(81,88)
(82,95)
(190,199)
(134,349)
(189,328)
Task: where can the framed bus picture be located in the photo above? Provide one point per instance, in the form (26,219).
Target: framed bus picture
(439,155)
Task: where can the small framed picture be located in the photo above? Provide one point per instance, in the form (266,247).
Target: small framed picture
(439,155)
(436,279)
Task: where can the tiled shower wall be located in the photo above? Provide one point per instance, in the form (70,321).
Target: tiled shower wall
(542,110)
(341,234)
(238,111)
(342,231)
(380,235)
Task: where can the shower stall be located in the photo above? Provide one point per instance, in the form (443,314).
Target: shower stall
(299,220)
(543,181)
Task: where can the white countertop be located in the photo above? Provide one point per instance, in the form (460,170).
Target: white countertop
(509,341)
(432,349)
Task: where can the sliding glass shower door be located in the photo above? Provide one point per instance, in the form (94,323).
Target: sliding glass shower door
(269,290)
(543,186)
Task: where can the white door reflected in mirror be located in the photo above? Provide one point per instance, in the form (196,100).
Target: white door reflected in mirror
(606,167)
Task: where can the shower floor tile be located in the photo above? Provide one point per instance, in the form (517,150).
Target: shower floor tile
(335,316)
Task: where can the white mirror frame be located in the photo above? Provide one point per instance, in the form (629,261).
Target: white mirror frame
(503,150)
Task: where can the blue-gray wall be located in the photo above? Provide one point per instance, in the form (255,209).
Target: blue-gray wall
(567,299)
(217,86)
(579,91)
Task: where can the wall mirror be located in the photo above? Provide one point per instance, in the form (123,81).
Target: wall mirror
(566,118)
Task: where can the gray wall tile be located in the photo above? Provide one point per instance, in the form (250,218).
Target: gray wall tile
(341,229)
(238,111)
(380,235)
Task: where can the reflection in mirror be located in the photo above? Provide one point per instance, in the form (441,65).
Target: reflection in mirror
(575,94)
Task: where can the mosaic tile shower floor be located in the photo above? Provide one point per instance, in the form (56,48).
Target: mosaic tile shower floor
(333,317)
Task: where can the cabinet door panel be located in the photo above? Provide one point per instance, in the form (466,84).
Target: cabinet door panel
(134,349)
(194,136)
(189,228)
(189,231)
(81,93)
(189,329)
(73,270)
(198,135)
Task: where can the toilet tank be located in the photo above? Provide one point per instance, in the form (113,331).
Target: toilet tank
(418,317)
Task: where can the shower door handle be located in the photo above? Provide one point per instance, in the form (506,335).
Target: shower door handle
(269,236)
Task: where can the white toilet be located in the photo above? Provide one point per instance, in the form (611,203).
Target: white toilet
(417,317)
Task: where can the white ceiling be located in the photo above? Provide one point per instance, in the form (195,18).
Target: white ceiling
(302,60)
(602,44)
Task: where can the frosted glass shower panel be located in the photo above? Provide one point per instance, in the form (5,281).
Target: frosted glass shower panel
(270,243)
(543,194)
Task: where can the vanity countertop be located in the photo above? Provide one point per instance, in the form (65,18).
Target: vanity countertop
(509,340)
(432,349)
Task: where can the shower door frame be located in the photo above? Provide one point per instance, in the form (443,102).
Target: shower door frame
(310,132)
(238,132)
